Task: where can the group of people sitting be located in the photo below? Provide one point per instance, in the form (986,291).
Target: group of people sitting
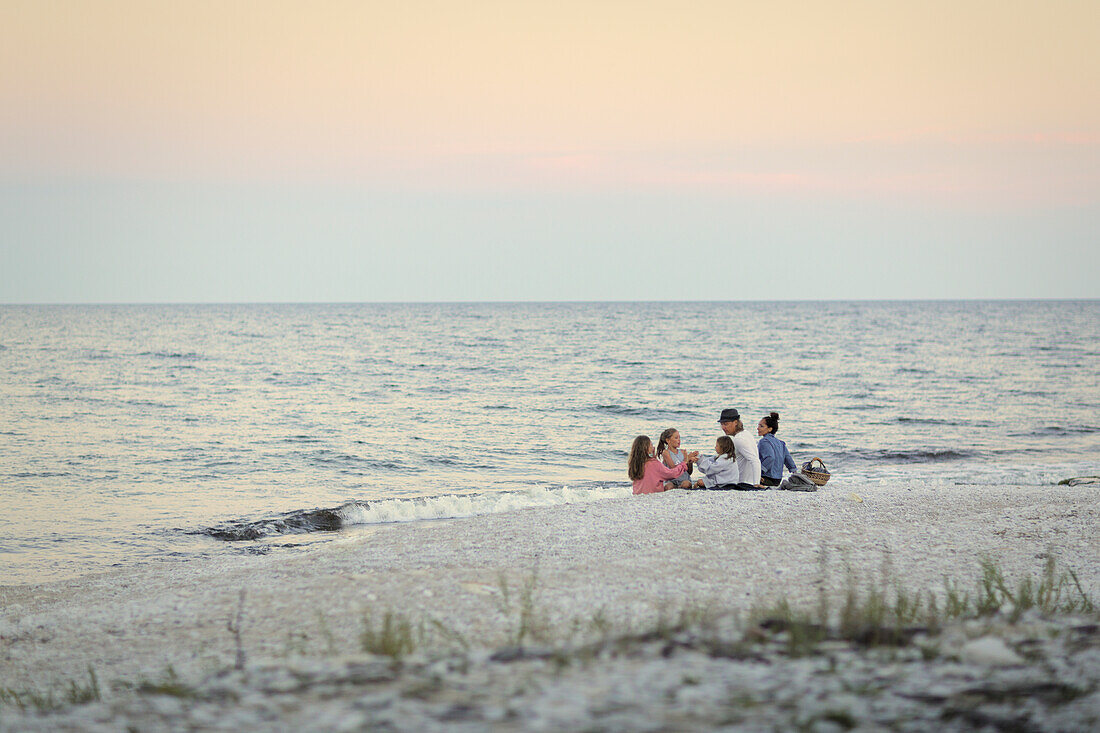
(739,462)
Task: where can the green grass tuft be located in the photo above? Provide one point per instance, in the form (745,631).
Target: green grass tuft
(530,622)
(73,692)
(394,637)
(170,685)
(891,615)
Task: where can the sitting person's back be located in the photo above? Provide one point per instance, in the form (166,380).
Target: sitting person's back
(748,458)
(773,452)
(721,468)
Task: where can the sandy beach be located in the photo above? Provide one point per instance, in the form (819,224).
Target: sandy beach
(541,576)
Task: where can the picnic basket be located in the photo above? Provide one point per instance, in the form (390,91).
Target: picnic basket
(819,476)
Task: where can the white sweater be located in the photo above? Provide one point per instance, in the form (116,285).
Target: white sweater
(748,458)
(719,470)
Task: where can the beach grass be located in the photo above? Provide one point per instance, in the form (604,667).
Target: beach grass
(169,684)
(395,636)
(70,692)
(879,613)
(888,614)
(867,614)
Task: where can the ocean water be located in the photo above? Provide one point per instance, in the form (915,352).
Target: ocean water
(161,433)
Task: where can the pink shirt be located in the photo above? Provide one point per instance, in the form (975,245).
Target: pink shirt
(656,473)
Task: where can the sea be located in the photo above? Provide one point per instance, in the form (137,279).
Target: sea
(160,434)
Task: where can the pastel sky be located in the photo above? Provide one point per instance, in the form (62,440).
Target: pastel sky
(365,151)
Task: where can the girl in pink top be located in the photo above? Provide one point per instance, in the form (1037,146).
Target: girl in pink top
(648,473)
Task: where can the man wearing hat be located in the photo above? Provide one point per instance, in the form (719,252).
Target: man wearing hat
(748,458)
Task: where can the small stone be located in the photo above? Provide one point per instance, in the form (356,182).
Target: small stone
(989,651)
(165,706)
(828,726)
(350,720)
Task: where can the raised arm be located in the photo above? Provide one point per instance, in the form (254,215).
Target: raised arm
(665,472)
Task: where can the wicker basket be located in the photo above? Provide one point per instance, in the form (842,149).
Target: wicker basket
(818,476)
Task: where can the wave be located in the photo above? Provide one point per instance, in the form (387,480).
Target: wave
(860,407)
(296,522)
(469,505)
(1028,392)
(621,410)
(647,413)
(917,455)
(388,511)
(147,403)
(458,463)
(337,459)
(923,421)
(39,474)
(172,354)
(1060,430)
(306,439)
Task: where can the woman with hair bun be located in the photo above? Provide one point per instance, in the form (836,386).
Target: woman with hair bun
(773,452)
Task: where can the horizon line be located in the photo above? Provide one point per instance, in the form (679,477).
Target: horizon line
(1038,299)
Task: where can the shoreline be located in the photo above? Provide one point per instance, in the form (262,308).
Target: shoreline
(627,561)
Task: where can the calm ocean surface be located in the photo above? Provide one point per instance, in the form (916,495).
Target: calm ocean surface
(135,434)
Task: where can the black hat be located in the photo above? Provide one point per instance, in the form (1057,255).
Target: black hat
(729,415)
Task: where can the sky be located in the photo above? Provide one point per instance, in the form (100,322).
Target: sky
(497,151)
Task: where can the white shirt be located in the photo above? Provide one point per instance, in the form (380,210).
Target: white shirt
(748,458)
(719,470)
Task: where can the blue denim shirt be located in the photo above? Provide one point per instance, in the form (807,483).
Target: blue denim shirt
(773,456)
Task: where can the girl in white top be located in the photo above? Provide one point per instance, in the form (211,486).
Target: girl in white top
(720,469)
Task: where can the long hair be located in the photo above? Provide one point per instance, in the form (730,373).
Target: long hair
(725,445)
(772,421)
(639,454)
(662,442)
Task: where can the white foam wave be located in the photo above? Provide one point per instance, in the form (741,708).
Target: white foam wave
(452,506)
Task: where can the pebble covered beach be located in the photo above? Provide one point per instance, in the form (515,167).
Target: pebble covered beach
(623,614)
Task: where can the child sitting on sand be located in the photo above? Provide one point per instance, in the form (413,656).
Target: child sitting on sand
(648,473)
(668,450)
(720,469)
